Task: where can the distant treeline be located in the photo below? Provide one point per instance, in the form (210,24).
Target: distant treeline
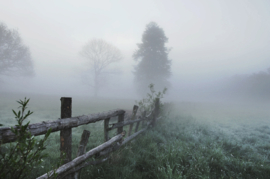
(251,86)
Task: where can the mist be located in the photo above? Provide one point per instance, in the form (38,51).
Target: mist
(213,121)
(218,48)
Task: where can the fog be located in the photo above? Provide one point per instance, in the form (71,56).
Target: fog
(219,48)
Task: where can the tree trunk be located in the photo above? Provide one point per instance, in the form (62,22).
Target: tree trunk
(96,84)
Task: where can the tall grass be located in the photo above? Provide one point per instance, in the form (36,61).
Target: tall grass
(180,146)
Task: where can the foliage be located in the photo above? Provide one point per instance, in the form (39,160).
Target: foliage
(182,148)
(18,159)
(152,56)
(179,147)
(52,173)
(147,104)
(14,55)
(100,55)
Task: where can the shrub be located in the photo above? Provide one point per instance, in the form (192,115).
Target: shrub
(147,104)
(19,158)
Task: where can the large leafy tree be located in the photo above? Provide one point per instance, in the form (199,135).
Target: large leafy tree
(153,63)
(15,57)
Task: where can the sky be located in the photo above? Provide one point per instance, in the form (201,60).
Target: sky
(210,39)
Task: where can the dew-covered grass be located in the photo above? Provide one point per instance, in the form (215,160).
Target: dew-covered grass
(194,140)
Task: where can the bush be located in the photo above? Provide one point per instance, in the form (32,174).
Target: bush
(19,158)
(147,104)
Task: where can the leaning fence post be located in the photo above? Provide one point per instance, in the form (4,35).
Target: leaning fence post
(156,112)
(66,134)
(135,108)
(81,149)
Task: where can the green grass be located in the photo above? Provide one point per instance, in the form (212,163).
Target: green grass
(194,141)
(180,147)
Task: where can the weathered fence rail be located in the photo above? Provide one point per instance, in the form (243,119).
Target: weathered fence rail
(71,168)
(6,135)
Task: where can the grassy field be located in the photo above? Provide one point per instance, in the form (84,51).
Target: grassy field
(194,140)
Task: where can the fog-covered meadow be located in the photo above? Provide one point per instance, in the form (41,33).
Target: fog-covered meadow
(191,140)
(216,117)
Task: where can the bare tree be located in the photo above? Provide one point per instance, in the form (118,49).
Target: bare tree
(100,55)
(15,57)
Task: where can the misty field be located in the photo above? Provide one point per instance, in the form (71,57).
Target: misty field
(192,140)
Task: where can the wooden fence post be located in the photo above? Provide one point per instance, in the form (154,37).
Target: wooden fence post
(81,149)
(143,116)
(137,126)
(135,109)
(156,112)
(106,126)
(157,107)
(120,119)
(66,134)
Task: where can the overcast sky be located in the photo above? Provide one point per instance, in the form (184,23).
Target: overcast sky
(210,39)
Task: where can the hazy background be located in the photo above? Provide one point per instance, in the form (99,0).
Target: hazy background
(211,40)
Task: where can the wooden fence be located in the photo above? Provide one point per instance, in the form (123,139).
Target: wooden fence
(71,168)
